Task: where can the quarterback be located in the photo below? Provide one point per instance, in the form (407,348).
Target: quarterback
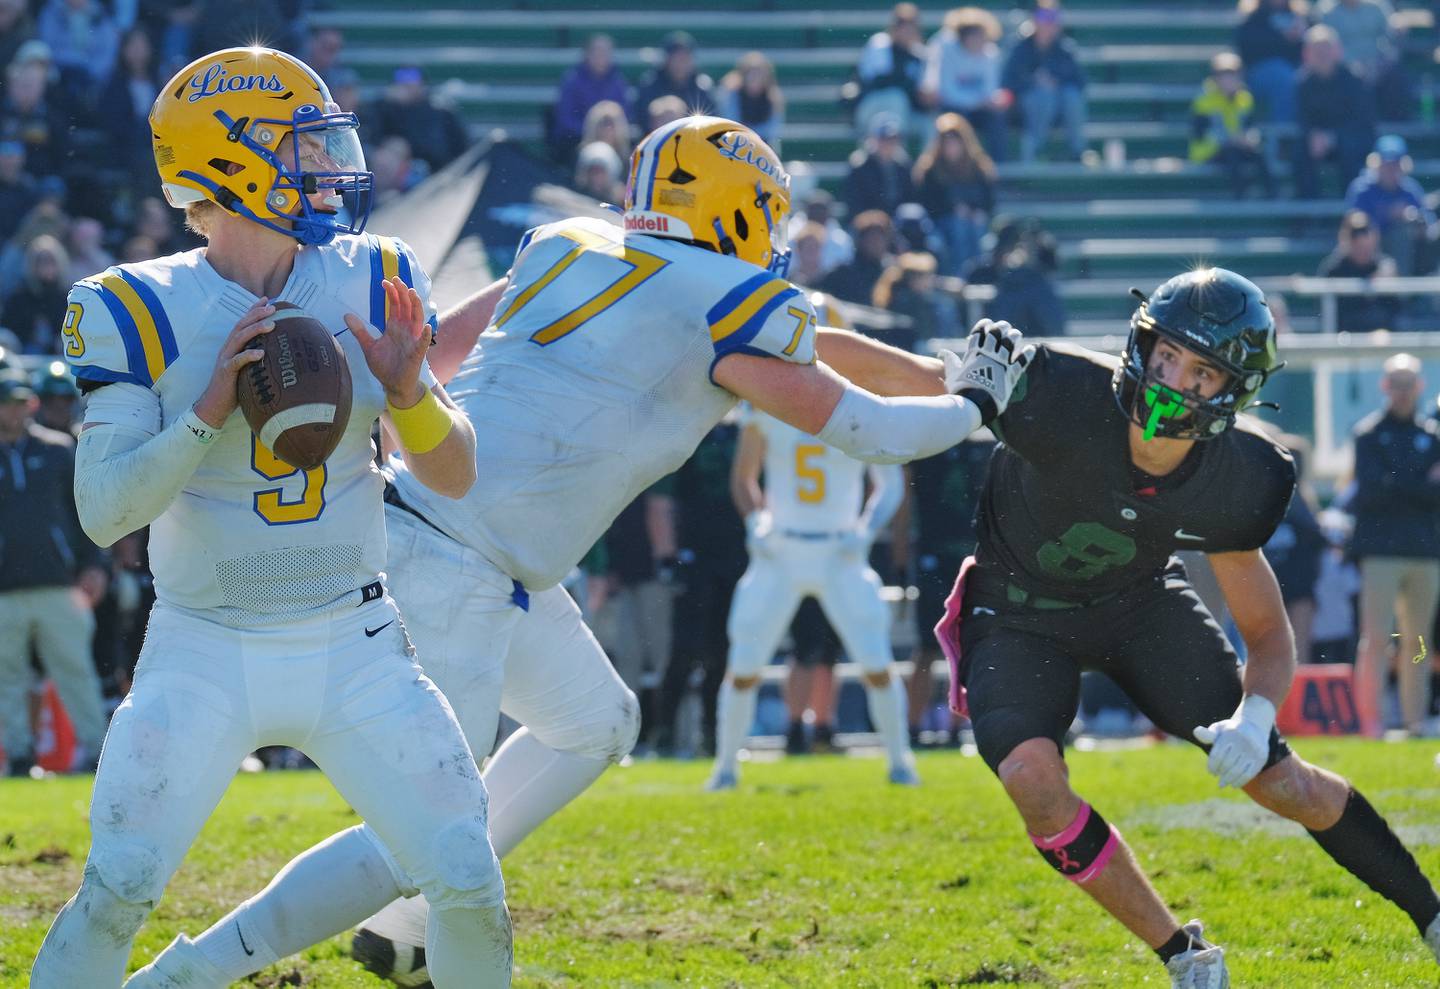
(808,536)
(1106,468)
(272,625)
(611,353)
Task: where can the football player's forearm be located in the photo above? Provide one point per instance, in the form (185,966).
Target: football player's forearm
(125,480)
(1270,664)
(460,328)
(449,468)
(878,367)
(898,430)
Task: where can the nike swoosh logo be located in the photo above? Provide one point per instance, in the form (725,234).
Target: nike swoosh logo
(1182,534)
(242,939)
(370,633)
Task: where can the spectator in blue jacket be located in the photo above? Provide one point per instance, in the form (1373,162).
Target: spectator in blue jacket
(1337,115)
(1394,201)
(1269,40)
(1396,501)
(889,72)
(594,80)
(1043,71)
(678,76)
(962,75)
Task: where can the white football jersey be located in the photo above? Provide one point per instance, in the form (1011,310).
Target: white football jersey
(809,486)
(250,539)
(593,382)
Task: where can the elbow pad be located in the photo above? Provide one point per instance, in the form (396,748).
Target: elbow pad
(897,430)
(124,478)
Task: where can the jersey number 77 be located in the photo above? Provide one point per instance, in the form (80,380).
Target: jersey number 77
(637,267)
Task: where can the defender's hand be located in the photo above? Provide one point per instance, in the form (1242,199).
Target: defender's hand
(1241,743)
(996,355)
(221,396)
(395,356)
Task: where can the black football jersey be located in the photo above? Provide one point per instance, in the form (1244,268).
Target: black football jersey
(1064,514)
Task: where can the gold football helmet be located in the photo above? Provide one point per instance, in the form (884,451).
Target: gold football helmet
(713,182)
(234,108)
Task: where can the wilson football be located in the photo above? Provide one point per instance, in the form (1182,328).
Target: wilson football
(297,397)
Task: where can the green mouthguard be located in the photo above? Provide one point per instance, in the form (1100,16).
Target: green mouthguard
(1165,403)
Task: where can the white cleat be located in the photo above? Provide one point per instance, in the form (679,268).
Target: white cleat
(1201,966)
(179,966)
(721,779)
(1432,936)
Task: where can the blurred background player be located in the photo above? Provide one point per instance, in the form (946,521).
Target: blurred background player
(808,536)
(944,492)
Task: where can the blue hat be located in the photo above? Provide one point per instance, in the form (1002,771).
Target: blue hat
(1391,147)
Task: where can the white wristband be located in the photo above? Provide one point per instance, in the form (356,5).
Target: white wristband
(198,427)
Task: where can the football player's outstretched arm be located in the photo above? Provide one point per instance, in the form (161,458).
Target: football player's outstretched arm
(127,468)
(879,367)
(1240,745)
(461,327)
(812,397)
(1253,596)
(435,438)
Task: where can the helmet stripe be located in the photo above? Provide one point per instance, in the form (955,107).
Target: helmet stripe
(650,159)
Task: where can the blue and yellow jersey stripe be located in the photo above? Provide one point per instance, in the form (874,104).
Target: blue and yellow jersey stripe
(741,314)
(142,323)
(388,258)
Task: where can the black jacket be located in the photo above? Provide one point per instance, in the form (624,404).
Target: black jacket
(1395,505)
(41,542)
(1259,37)
(1027,58)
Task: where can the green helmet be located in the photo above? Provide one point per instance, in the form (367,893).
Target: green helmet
(1216,314)
(54,381)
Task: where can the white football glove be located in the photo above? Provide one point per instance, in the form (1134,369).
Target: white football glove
(1241,743)
(759,528)
(996,355)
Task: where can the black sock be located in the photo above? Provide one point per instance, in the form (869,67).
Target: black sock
(1179,942)
(1363,844)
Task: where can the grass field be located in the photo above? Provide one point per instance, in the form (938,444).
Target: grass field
(816,873)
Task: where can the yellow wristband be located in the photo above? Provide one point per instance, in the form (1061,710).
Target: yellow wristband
(423,426)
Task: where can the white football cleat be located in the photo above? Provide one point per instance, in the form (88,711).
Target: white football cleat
(721,779)
(1432,935)
(1201,966)
(401,963)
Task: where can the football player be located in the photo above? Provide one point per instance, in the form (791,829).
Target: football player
(272,624)
(1106,469)
(808,535)
(611,353)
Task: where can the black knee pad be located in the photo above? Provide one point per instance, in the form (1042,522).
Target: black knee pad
(998,731)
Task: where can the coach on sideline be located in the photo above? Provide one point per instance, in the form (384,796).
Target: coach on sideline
(51,576)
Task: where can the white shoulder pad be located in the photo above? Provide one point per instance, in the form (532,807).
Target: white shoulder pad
(116,329)
(764,315)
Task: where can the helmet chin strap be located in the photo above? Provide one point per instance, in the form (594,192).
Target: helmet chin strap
(1164,403)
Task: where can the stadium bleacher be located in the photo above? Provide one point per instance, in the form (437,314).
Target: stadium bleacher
(1141,212)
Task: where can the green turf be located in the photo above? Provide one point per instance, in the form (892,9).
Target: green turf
(816,873)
